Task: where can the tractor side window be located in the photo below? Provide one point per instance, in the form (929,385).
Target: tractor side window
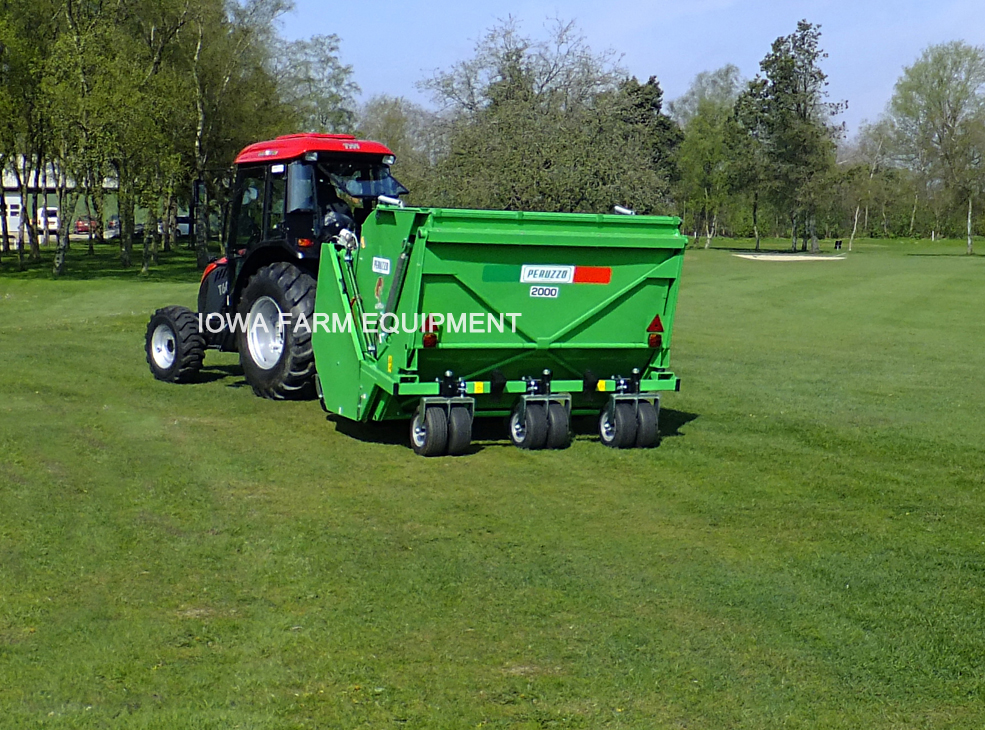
(278,198)
(249,221)
(301,187)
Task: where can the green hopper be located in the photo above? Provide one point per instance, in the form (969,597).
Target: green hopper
(444,315)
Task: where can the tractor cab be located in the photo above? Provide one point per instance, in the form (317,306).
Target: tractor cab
(296,192)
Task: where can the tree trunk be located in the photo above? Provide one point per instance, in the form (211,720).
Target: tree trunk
(150,241)
(865,223)
(44,196)
(59,266)
(755,216)
(201,229)
(166,221)
(913,216)
(35,239)
(793,227)
(89,216)
(5,248)
(125,198)
(971,250)
(20,223)
(99,207)
(815,246)
(851,238)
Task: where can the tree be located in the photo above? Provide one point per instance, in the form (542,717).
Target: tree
(785,109)
(549,126)
(938,116)
(704,156)
(412,133)
(720,88)
(317,85)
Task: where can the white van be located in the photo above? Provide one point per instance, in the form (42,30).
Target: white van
(13,216)
(47,218)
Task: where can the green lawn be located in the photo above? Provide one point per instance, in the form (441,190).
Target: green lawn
(806,548)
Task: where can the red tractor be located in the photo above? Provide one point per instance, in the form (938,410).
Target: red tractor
(291,194)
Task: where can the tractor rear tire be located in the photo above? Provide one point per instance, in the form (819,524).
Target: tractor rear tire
(174,346)
(278,362)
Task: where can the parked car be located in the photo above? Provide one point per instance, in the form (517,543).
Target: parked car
(47,219)
(86,224)
(183,224)
(113,228)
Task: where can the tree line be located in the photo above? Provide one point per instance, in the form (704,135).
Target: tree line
(552,126)
(159,96)
(154,97)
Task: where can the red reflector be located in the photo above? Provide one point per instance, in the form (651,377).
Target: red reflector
(305,242)
(429,325)
(656,325)
(655,339)
(593,274)
(430,340)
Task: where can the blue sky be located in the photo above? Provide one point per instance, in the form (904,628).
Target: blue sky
(391,46)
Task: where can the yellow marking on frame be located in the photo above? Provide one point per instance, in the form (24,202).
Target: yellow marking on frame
(479,388)
(389,363)
(601,386)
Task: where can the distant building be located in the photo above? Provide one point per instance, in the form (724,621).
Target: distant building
(40,183)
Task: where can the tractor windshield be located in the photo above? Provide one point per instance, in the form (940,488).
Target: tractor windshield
(363,179)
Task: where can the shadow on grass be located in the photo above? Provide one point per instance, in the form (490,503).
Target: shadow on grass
(177,265)
(952,254)
(212,373)
(671,421)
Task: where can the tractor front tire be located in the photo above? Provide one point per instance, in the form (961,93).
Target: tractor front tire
(275,345)
(174,346)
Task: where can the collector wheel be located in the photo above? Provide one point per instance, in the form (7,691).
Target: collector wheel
(459,430)
(529,432)
(429,431)
(618,430)
(558,427)
(647,434)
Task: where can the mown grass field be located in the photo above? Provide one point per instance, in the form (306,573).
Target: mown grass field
(806,548)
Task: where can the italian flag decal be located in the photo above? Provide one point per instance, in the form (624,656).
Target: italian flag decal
(547,274)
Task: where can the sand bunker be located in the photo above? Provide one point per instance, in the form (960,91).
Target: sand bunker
(788,257)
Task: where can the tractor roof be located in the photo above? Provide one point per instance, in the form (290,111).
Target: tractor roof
(292,146)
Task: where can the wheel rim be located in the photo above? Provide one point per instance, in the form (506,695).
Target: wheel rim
(265,333)
(418,432)
(517,427)
(162,346)
(607,428)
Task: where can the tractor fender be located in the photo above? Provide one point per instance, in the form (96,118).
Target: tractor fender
(213,297)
